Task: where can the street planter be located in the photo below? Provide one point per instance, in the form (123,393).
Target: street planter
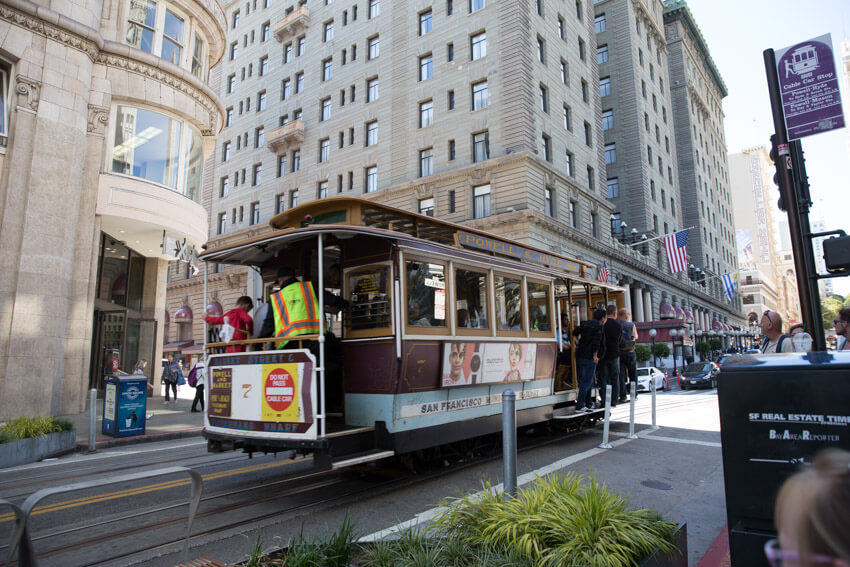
(34,449)
(679,559)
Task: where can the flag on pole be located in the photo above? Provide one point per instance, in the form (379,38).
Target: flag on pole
(603,272)
(730,282)
(677,251)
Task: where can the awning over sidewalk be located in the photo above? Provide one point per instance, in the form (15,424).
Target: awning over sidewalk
(177,346)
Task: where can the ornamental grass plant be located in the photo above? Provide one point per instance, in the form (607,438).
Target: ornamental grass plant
(563,520)
(27,427)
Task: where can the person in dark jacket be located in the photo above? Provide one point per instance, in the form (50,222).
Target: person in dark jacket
(588,352)
(608,370)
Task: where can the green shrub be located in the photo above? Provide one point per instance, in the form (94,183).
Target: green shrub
(642,353)
(661,350)
(27,427)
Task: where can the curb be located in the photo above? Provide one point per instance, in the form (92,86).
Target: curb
(717,554)
(83,446)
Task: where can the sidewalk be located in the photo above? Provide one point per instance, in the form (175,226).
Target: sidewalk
(166,421)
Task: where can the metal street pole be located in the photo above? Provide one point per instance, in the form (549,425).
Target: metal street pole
(803,261)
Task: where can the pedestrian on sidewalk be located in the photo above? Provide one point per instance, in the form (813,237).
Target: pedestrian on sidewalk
(197,379)
(170,376)
(812,514)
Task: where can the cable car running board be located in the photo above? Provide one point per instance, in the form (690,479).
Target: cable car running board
(354,431)
(360,459)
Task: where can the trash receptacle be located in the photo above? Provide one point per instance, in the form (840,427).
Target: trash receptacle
(124,405)
(776,412)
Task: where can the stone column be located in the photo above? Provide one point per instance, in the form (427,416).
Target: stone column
(627,297)
(647,305)
(637,314)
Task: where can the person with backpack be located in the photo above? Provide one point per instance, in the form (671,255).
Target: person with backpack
(170,376)
(628,358)
(774,339)
(197,379)
(591,347)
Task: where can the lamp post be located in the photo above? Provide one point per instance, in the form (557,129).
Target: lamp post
(652,334)
(673,334)
(712,334)
(644,249)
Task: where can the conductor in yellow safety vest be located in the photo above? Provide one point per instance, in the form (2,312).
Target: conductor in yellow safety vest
(294,310)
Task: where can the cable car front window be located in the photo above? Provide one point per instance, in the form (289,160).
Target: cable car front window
(426,294)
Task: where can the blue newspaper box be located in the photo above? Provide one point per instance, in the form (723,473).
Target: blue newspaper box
(124,405)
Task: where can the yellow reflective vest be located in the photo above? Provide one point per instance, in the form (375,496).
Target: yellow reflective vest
(296,311)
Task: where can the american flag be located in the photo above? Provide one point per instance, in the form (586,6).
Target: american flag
(603,272)
(677,251)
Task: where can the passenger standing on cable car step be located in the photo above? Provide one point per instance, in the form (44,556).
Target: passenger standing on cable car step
(240,322)
(591,347)
(293,311)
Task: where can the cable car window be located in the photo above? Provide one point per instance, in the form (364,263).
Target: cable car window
(369,298)
(539,313)
(426,294)
(508,303)
(471,293)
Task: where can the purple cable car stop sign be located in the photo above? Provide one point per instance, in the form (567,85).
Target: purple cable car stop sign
(808,85)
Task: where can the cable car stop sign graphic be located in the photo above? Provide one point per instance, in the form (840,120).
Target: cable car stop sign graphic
(279,389)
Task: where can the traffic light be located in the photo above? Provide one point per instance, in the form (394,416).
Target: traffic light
(836,253)
(777,164)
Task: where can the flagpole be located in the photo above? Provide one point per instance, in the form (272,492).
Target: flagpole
(713,277)
(639,242)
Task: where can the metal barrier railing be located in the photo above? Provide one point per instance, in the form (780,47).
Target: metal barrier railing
(26,556)
(18,532)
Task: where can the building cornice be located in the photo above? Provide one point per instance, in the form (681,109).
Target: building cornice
(52,25)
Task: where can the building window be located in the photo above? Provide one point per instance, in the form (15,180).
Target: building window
(322,190)
(451,201)
(451,150)
(325,113)
(234,18)
(255,212)
(573,214)
(281,166)
(481,201)
(562,28)
(158,148)
(593,224)
(426,67)
(581,50)
(585,95)
(284,89)
(544,99)
(565,72)
(231,83)
(480,147)
(426,206)
(374,48)
(547,148)
(425,22)
(371,179)
(649,155)
(259,137)
(234,50)
(301,46)
(426,113)
(541,50)
(279,203)
(265,31)
(371,133)
(324,150)
(328,31)
(588,136)
(569,164)
(652,189)
(568,118)
(257,174)
(475,5)
(605,86)
(602,54)
(299,83)
(591,178)
(450,52)
(548,201)
(293,198)
(228,118)
(224,187)
(371,89)
(451,100)
(261,101)
(374,8)
(613,188)
(426,162)
(538,6)
(610,153)
(159,29)
(327,69)
(222,223)
(479,95)
(478,45)
(296,160)
(607,119)
(600,23)
(450,7)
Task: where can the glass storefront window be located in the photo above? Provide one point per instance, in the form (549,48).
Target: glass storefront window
(158,148)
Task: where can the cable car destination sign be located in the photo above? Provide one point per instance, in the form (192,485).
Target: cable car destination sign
(808,85)
(471,240)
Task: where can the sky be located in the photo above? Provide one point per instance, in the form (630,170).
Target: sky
(737,32)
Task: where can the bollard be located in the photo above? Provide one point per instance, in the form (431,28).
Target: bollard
(605,444)
(633,391)
(654,389)
(92,420)
(509,440)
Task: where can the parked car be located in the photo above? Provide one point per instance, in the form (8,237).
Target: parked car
(752,351)
(721,360)
(699,375)
(645,375)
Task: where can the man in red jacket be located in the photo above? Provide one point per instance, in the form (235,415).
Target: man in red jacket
(238,318)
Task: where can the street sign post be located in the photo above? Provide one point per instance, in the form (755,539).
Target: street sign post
(808,85)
